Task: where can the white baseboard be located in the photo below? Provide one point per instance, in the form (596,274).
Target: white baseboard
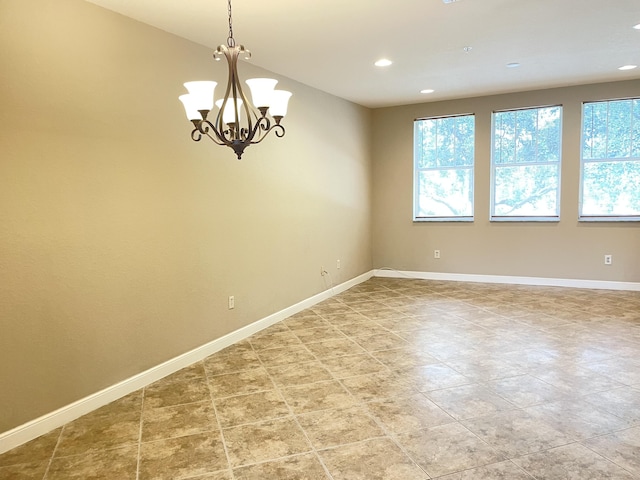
(68,413)
(540,281)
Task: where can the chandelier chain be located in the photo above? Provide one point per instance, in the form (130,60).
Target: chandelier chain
(230,40)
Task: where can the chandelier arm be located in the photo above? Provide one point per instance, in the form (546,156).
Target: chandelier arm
(276,128)
(206,126)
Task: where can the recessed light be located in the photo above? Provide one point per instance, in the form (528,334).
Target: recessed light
(627,67)
(513,65)
(427,90)
(637,27)
(450,1)
(383,62)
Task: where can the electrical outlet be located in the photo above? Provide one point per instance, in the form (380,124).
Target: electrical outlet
(232,302)
(608,259)
(436,254)
(338,264)
(323,272)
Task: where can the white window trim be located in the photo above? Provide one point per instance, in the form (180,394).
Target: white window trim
(416,177)
(525,218)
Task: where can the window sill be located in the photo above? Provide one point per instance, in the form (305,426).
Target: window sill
(526,219)
(443,219)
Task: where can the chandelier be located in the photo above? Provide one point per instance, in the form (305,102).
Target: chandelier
(238,123)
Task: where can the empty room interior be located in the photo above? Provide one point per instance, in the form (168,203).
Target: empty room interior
(434,273)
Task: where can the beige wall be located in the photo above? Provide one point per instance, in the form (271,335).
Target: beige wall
(568,249)
(120,238)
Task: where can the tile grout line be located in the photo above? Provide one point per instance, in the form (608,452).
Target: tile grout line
(53,454)
(293,415)
(215,412)
(140,434)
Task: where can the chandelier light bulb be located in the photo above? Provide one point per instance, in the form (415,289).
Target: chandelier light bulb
(228,116)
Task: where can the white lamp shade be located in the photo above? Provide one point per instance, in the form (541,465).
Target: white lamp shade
(228,116)
(279,102)
(261,91)
(190,106)
(202,93)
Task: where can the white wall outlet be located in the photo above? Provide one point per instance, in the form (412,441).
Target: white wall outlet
(323,272)
(338,264)
(608,259)
(436,254)
(232,302)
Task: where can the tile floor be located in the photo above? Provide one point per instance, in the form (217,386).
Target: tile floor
(394,379)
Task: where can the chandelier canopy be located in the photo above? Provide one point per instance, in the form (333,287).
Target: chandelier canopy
(238,122)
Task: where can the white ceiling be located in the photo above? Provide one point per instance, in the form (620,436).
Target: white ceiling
(332,44)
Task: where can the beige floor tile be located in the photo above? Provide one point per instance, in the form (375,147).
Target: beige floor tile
(331,309)
(120,463)
(317,396)
(404,358)
(469,401)
(338,347)
(622,402)
(576,380)
(406,414)
(525,390)
(182,457)
(361,327)
(178,421)
(299,467)
(305,319)
(299,373)
(222,475)
(622,448)
(447,449)
(185,386)
(329,428)
(219,363)
(286,355)
(480,368)
(353,365)
(498,471)
(571,462)
(578,418)
(261,340)
(264,441)
(516,433)
(24,471)
(378,386)
(377,459)
(377,311)
(106,428)
(426,378)
(380,341)
(36,451)
(352,317)
(250,408)
(240,383)
(319,334)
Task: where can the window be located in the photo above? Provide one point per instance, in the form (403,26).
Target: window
(443,174)
(525,164)
(610,187)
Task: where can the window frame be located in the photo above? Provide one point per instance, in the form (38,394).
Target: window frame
(417,170)
(601,218)
(525,218)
